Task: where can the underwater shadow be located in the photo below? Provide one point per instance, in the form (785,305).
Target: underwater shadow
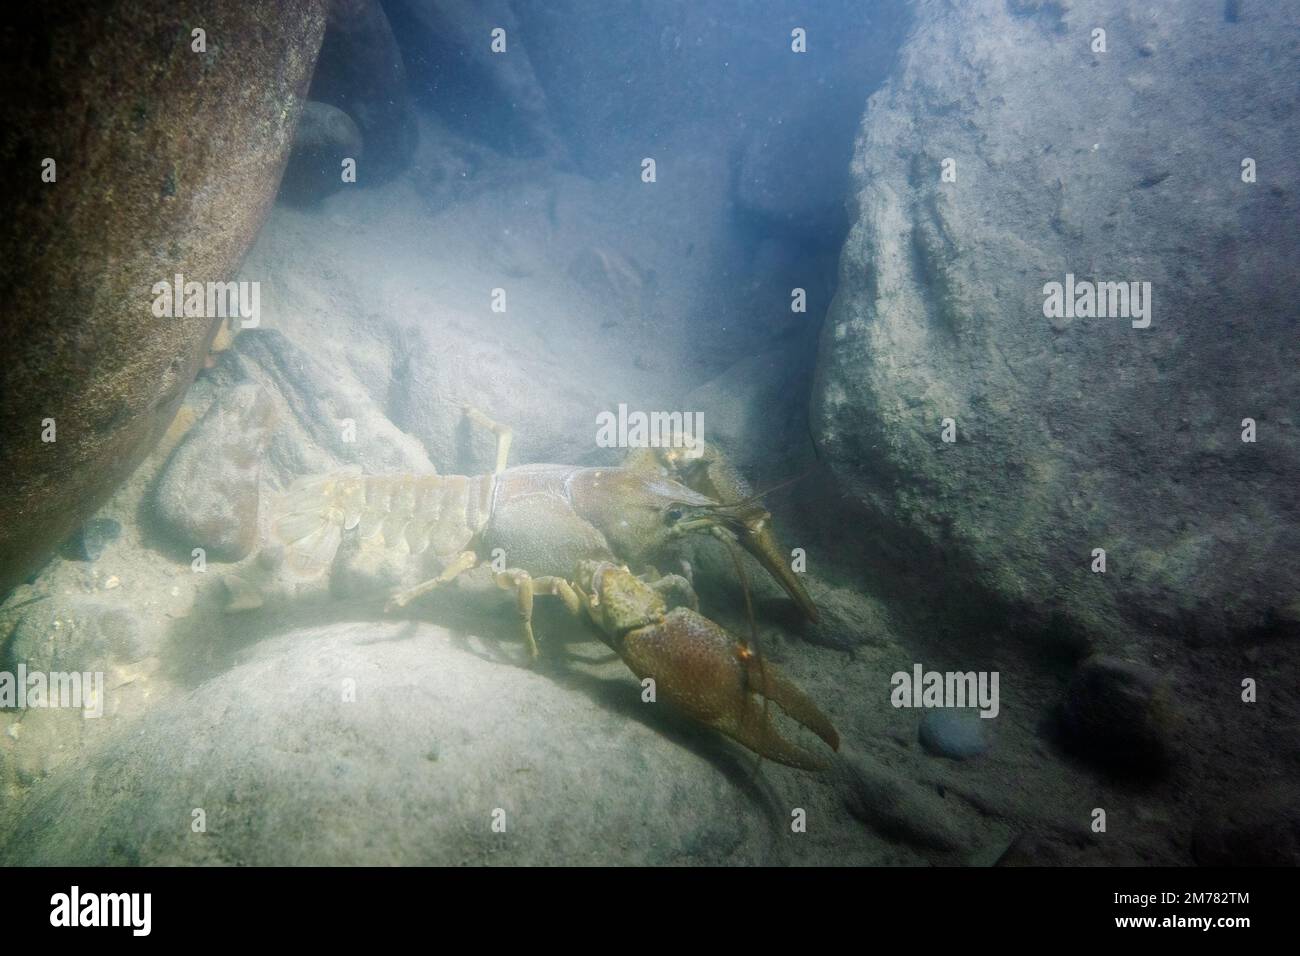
(209,642)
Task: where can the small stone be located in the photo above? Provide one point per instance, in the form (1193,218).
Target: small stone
(92,538)
(112,582)
(955,734)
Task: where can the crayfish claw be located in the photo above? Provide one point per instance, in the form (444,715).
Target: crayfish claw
(702,669)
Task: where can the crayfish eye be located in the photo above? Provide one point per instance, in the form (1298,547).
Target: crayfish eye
(674,515)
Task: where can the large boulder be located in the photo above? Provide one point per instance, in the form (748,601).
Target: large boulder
(166,161)
(1087,433)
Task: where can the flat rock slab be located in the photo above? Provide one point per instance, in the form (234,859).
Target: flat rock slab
(438,743)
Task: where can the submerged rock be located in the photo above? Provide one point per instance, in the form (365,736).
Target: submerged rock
(387,744)
(92,538)
(1078,434)
(207,495)
(361,72)
(895,806)
(81,634)
(324,422)
(326,137)
(1119,714)
(165,161)
(956,734)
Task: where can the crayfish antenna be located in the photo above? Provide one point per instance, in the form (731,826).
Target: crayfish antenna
(734,550)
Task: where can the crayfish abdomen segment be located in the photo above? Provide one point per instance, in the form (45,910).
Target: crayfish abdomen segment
(404,514)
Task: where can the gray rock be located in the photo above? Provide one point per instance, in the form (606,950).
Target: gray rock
(326,137)
(956,734)
(207,495)
(325,423)
(92,538)
(1086,433)
(361,71)
(89,634)
(437,740)
(895,806)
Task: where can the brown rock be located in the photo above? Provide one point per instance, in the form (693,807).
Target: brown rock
(167,160)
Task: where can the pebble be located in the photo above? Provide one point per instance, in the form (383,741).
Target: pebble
(90,541)
(955,734)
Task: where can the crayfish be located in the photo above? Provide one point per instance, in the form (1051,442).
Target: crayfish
(574,532)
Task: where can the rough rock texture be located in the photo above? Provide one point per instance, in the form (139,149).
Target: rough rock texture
(326,136)
(1089,433)
(410,771)
(437,371)
(1261,829)
(91,633)
(325,423)
(361,72)
(207,495)
(167,160)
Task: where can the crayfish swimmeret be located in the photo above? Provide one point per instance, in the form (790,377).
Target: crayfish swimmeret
(574,532)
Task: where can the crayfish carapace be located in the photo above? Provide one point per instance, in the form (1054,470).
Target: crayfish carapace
(573,532)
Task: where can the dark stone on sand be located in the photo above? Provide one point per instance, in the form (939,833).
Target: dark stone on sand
(326,137)
(90,540)
(1119,714)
